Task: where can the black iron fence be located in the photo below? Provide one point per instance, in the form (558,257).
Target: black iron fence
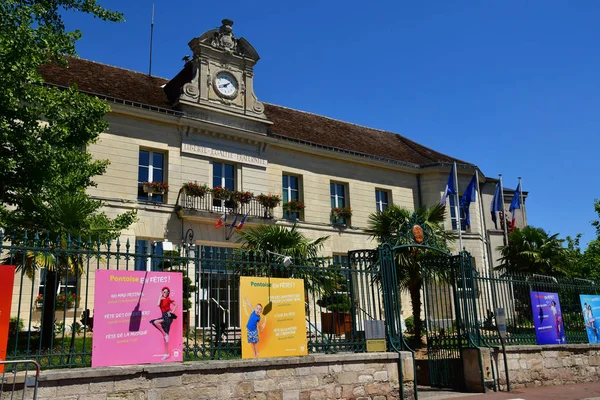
(512,292)
(53,302)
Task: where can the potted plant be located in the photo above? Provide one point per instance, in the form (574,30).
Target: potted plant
(39,300)
(221,193)
(194,189)
(155,187)
(341,212)
(242,197)
(337,301)
(293,206)
(67,299)
(269,200)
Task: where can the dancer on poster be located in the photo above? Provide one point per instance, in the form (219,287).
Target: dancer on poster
(548,321)
(253,325)
(589,304)
(167,308)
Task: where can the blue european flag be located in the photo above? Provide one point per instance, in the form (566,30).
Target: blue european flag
(450,187)
(496,205)
(467,198)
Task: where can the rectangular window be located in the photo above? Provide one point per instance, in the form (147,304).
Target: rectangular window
(65,285)
(218,289)
(463,220)
(381,199)
(291,191)
(224,176)
(148,255)
(150,169)
(338,200)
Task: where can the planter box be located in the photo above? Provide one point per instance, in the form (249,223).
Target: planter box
(336,323)
(151,190)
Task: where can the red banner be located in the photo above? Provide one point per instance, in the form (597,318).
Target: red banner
(7,278)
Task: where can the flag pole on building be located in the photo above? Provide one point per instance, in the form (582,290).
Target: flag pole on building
(151,38)
(503,210)
(522,203)
(457,208)
(482,227)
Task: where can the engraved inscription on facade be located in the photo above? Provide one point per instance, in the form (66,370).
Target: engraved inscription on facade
(194,148)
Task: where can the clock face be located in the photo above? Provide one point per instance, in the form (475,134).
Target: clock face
(226,85)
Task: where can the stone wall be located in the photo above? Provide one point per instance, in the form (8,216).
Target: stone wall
(363,376)
(530,366)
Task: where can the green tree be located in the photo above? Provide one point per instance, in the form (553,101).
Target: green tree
(394,225)
(533,250)
(78,224)
(263,239)
(281,240)
(44,130)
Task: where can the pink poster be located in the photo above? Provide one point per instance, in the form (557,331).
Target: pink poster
(137,318)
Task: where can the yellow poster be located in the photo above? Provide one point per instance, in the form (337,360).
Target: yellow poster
(273,324)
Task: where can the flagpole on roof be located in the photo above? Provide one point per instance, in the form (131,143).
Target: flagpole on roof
(151,37)
(482,224)
(522,202)
(457,208)
(503,221)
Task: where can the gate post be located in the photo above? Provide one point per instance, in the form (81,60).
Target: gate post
(393,315)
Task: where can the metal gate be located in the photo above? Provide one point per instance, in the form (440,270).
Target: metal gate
(450,301)
(19,379)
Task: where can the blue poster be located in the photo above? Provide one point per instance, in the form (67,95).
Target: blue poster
(590,308)
(547,318)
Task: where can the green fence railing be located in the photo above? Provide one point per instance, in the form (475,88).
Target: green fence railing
(53,302)
(495,289)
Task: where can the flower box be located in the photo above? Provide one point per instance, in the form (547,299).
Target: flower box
(242,197)
(221,193)
(293,206)
(341,212)
(269,200)
(194,189)
(155,187)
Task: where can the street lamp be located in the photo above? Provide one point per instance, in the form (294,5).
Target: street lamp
(287,260)
(188,242)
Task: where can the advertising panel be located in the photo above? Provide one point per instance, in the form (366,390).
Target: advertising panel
(590,309)
(137,318)
(280,330)
(7,278)
(547,318)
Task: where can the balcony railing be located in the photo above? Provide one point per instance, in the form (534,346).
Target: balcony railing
(209,204)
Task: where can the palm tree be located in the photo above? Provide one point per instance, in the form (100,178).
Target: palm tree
(279,239)
(532,250)
(394,225)
(266,239)
(68,218)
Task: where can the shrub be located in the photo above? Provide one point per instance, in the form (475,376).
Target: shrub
(15,326)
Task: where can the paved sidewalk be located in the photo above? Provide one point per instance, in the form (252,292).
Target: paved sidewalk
(580,391)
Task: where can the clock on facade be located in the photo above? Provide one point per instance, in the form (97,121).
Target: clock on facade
(226,85)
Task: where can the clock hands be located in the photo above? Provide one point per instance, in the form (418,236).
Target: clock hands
(225,85)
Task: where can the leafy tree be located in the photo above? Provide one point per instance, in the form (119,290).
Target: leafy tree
(394,225)
(263,239)
(77,225)
(44,131)
(279,239)
(532,250)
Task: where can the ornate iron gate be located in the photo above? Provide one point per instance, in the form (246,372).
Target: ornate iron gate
(450,311)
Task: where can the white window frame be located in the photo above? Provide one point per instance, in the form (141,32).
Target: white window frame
(151,169)
(379,204)
(337,197)
(289,190)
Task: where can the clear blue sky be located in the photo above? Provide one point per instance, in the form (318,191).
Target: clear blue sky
(511,86)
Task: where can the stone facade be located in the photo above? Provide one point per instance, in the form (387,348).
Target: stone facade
(367,376)
(530,366)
